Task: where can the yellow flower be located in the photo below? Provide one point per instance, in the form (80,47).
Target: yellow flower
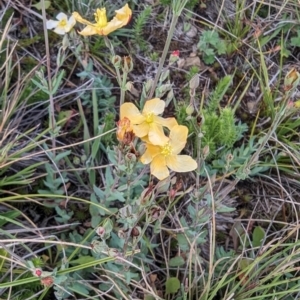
(163,158)
(63,25)
(101,26)
(148,123)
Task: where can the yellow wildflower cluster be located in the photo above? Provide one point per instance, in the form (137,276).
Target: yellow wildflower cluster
(101,27)
(162,152)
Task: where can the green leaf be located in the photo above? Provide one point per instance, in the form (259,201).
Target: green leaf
(95,147)
(3,254)
(221,49)
(209,52)
(176,261)
(149,297)
(209,59)
(82,260)
(182,242)
(295,41)
(223,208)
(211,37)
(285,52)
(95,221)
(5,217)
(80,289)
(172,285)
(39,5)
(99,193)
(258,236)
(244,263)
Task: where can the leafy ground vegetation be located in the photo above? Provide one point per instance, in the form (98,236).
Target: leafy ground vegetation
(149,149)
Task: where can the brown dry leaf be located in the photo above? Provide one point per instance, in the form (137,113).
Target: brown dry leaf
(132,89)
(180,63)
(192,61)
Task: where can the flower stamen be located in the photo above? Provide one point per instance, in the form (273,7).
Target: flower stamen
(166,150)
(100,17)
(62,23)
(150,118)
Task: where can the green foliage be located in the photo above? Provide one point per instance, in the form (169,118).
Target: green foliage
(210,45)
(219,128)
(138,27)
(237,159)
(102,86)
(193,70)
(295,41)
(55,184)
(190,3)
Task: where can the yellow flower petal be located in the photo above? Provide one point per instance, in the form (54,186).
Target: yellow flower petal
(168,122)
(155,106)
(124,14)
(131,112)
(178,137)
(156,134)
(88,30)
(81,20)
(122,18)
(158,167)
(102,27)
(150,152)
(141,130)
(111,26)
(181,163)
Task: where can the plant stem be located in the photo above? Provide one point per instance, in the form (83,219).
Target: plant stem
(164,54)
(51,102)
(120,78)
(177,8)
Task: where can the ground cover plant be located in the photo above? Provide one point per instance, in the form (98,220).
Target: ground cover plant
(149,149)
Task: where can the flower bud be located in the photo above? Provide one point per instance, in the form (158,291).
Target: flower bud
(76,161)
(229,157)
(155,213)
(189,110)
(174,56)
(136,231)
(147,196)
(122,234)
(127,64)
(99,247)
(205,151)
(131,158)
(291,80)
(194,82)
(101,231)
(47,281)
(116,61)
(38,272)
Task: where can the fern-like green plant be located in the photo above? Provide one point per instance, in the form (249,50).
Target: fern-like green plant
(228,131)
(218,93)
(139,26)
(219,128)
